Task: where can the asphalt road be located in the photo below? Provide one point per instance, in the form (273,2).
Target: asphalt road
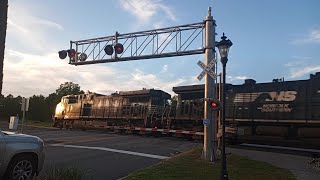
(104,155)
(113,156)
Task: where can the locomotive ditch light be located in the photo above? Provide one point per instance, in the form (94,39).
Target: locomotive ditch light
(108,50)
(215,104)
(62,54)
(118,48)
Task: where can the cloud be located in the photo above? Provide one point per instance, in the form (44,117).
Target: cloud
(315,36)
(297,61)
(300,66)
(145,80)
(236,78)
(164,68)
(32,65)
(301,71)
(312,36)
(28,30)
(28,74)
(144,10)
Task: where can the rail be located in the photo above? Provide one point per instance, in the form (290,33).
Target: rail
(314,163)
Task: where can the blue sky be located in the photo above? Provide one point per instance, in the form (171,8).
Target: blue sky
(271,39)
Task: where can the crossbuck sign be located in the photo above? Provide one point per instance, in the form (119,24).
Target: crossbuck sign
(207,69)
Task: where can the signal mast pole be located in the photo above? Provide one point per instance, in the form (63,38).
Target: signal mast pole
(209,130)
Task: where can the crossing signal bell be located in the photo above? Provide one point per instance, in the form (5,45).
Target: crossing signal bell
(215,104)
(83,57)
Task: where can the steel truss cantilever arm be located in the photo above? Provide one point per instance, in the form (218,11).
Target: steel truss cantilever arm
(157,43)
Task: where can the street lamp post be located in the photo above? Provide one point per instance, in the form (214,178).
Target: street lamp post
(223,47)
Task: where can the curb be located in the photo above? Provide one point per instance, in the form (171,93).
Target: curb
(35,126)
(43,127)
(171,157)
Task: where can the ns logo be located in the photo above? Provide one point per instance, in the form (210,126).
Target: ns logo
(282,96)
(266,96)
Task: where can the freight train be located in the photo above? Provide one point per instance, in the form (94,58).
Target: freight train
(278,109)
(141,108)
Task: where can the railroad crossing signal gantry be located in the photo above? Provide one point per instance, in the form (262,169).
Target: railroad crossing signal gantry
(181,40)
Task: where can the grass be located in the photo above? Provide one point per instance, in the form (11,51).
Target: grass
(39,123)
(190,166)
(63,173)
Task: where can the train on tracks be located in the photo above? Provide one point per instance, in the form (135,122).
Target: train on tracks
(286,110)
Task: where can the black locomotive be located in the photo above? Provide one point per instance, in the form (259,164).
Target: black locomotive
(278,109)
(281,109)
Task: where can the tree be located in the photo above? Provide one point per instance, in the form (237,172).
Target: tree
(68,88)
(38,108)
(64,89)
(10,106)
(174,100)
(3,32)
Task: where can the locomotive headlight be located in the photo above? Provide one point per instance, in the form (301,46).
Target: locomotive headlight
(59,108)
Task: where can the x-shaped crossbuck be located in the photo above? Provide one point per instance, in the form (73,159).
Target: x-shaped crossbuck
(207,69)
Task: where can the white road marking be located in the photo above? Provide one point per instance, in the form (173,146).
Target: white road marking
(280,147)
(112,150)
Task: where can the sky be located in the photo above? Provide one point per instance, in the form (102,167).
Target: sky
(271,39)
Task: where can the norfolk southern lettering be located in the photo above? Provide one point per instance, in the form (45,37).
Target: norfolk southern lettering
(266,96)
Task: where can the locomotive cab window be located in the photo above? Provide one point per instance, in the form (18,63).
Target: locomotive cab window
(138,99)
(72,100)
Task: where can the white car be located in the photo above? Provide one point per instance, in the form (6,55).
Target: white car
(21,156)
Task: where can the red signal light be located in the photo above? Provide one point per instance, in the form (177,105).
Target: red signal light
(118,48)
(71,53)
(215,104)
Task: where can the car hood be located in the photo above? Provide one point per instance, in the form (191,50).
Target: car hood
(14,137)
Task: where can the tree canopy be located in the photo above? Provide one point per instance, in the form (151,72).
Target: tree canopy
(41,108)
(68,88)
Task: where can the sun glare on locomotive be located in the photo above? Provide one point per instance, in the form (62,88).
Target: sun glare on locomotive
(59,108)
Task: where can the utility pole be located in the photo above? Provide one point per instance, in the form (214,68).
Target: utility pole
(209,130)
